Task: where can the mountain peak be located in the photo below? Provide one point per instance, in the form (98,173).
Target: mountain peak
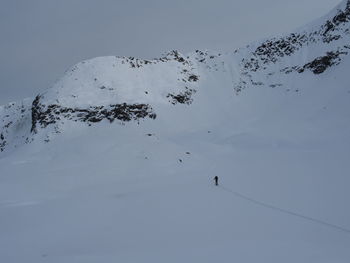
(128,89)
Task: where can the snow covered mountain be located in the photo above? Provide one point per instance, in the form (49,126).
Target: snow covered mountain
(125,89)
(114,161)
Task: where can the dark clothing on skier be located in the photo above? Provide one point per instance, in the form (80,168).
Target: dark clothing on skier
(216,179)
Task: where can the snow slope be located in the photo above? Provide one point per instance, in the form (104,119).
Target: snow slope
(114,163)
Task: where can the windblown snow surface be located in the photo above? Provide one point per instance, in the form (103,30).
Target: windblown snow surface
(114,163)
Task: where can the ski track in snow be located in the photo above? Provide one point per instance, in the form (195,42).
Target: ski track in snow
(288,212)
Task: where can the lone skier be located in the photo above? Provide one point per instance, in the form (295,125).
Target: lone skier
(216,179)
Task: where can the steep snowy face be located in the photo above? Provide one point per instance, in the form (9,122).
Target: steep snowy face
(15,121)
(116,88)
(108,80)
(120,89)
(314,48)
(106,88)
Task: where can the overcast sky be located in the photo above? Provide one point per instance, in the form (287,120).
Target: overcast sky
(40,39)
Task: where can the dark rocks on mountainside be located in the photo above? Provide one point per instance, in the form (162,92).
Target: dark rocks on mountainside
(8,124)
(46,115)
(271,50)
(342,16)
(36,113)
(183,97)
(275,50)
(2,142)
(177,56)
(320,64)
(193,78)
(173,55)
(275,85)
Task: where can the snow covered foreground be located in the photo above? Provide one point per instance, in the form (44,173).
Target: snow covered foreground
(115,162)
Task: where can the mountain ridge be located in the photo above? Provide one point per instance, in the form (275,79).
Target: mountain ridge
(115,88)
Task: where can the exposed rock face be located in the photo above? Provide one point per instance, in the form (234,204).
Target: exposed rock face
(320,64)
(183,97)
(328,38)
(45,115)
(332,25)
(2,142)
(271,50)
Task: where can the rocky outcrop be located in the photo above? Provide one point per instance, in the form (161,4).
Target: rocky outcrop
(271,50)
(320,64)
(43,115)
(2,142)
(182,98)
(332,25)
(325,42)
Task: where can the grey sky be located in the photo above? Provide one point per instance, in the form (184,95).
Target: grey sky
(40,39)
